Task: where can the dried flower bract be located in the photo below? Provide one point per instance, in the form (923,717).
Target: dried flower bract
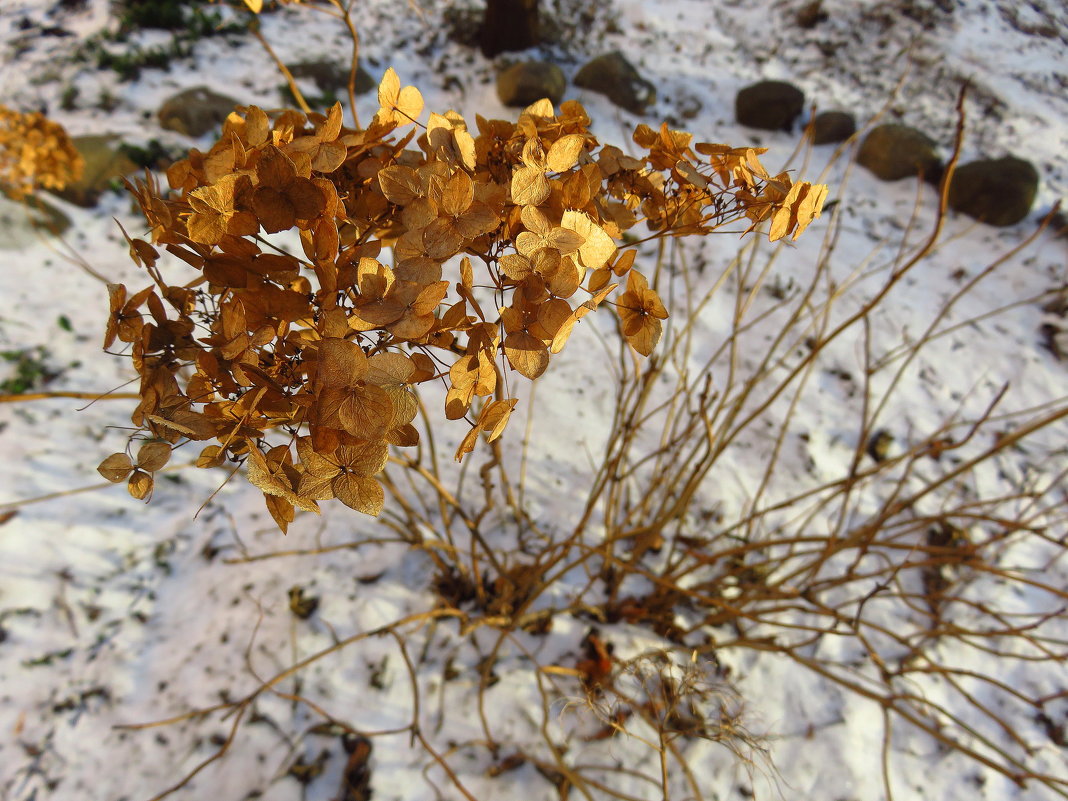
(304,366)
(35,152)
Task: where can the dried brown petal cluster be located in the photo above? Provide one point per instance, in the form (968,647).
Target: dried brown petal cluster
(256,6)
(303,366)
(35,152)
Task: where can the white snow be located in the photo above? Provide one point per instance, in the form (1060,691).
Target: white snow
(113,612)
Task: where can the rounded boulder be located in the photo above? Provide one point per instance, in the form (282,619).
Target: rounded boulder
(195,112)
(995,191)
(529,81)
(769,105)
(895,151)
(616,78)
(105,161)
(830,127)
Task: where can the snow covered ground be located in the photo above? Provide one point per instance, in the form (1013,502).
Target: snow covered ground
(113,612)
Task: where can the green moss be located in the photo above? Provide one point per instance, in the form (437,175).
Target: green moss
(187,20)
(151,155)
(30,370)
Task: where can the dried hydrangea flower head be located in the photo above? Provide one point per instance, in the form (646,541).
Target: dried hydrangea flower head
(35,152)
(303,366)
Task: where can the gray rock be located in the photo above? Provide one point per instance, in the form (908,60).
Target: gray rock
(895,151)
(23,222)
(769,105)
(529,81)
(105,161)
(616,78)
(332,75)
(195,111)
(832,126)
(996,191)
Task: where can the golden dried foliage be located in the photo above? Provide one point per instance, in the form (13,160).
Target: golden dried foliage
(35,152)
(327,346)
(256,6)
